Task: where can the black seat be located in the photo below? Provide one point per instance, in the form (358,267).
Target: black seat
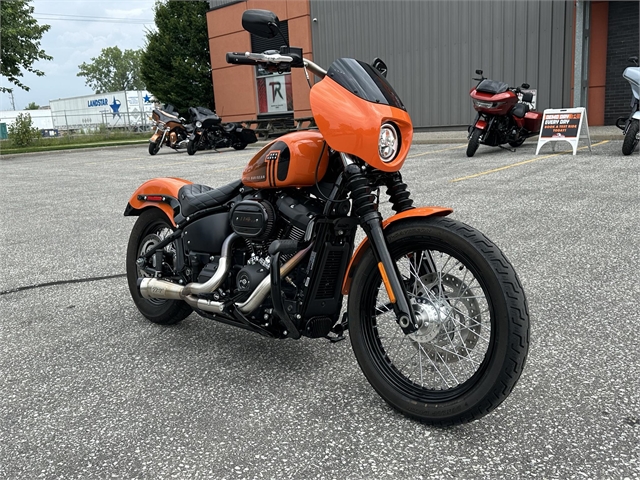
(194,197)
(520,110)
(492,86)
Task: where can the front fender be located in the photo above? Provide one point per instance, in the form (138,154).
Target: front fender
(159,193)
(364,245)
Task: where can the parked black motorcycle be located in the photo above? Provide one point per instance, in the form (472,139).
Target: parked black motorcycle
(210,133)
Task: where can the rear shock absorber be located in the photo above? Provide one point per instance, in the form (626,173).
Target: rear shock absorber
(398,193)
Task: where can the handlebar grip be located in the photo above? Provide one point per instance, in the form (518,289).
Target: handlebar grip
(236,58)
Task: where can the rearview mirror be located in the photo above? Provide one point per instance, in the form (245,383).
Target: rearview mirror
(380,66)
(525,85)
(478,72)
(261,23)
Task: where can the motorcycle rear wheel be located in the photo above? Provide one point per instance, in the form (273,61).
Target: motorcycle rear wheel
(154,147)
(631,138)
(150,228)
(239,146)
(473,339)
(474,141)
(518,142)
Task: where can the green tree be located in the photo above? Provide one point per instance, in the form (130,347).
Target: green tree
(20,37)
(22,132)
(176,66)
(32,106)
(113,70)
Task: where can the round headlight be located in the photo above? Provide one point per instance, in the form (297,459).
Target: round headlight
(389,143)
(199,124)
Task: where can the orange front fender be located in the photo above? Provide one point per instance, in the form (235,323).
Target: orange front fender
(364,246)
(163,193)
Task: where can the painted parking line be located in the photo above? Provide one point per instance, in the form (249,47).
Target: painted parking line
(435,151)
(499,169)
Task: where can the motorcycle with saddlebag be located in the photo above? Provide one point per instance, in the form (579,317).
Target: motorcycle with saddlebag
(170,129)
(502,118)
(208,132)
(437,317)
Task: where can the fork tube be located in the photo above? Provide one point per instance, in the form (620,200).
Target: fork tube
(371,221)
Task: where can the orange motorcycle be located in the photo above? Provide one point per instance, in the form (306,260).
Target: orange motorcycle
(437,316)
(170,130)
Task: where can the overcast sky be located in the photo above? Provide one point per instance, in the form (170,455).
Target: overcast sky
(73,38)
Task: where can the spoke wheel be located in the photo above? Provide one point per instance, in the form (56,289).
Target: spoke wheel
(149,230)
(472,338)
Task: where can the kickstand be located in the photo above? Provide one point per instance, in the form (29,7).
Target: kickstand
(507,148)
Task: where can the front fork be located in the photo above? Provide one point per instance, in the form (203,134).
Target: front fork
(371,221)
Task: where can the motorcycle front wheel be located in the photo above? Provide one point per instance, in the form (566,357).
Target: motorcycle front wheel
(192,147)
(474,141)
(473,323)
(154,147)
(631,138)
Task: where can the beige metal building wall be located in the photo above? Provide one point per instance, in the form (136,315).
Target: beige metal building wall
(432,48)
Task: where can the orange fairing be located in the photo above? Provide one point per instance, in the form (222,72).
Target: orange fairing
(364,246)
(290,161)
(167,187)
(352,125)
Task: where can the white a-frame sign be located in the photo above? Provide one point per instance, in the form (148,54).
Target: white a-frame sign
(563,124)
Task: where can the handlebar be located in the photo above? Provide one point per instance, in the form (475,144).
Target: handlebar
(249,58)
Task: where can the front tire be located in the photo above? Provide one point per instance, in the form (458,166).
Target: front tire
(192,147)
(631,138)
(472,343)
(150,228)
(474,141)
(154,147)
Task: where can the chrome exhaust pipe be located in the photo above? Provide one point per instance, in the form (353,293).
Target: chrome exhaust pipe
(264,289)
(154,288)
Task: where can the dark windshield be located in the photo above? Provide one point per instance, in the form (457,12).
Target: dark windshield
(363,80)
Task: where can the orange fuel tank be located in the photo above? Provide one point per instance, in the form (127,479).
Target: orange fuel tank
(294,160)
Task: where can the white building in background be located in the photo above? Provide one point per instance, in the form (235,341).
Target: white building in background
(114,109)
(41,119)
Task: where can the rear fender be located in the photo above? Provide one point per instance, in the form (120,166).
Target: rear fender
(159,193)
(636,116)
(364,245)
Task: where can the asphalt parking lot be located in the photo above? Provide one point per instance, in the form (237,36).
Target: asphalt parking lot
(91,389)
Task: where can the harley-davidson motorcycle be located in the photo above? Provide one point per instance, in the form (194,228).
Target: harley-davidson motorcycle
(437,316)
(502,116)
(630,125)
(208,132)
(170,130)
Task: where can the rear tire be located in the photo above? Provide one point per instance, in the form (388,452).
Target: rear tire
(472,344)
(474,142)
(152,225)
(154,147)
(239,146)
(630,139)
(518,142)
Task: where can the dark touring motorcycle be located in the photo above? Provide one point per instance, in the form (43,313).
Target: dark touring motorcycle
(501,117)
(208,132)
(630,125)
(437,316)
(170,130)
